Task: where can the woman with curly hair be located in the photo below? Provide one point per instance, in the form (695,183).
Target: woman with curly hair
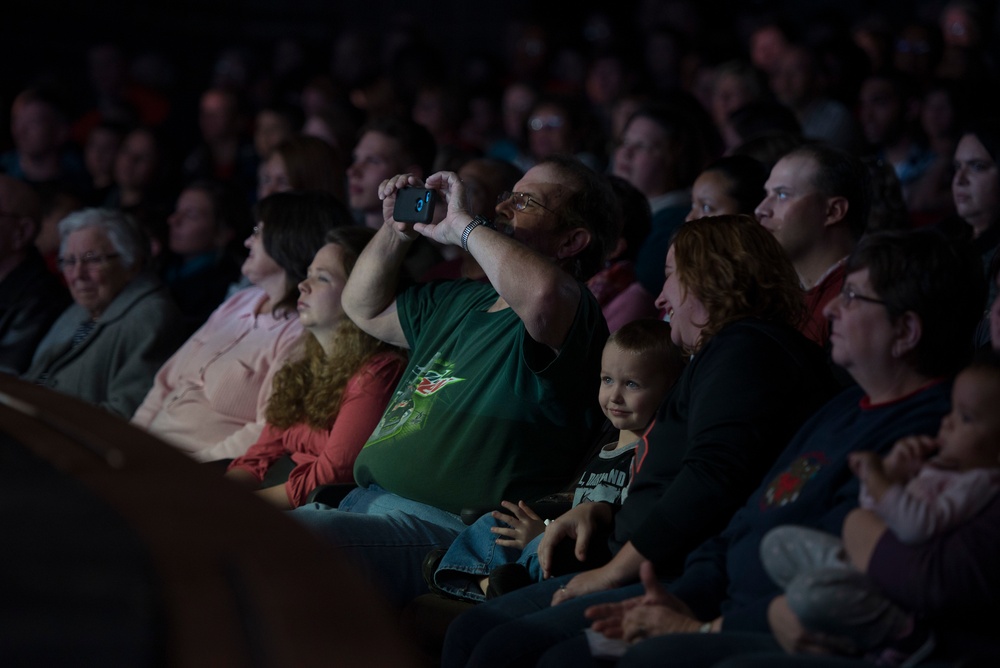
(326,400)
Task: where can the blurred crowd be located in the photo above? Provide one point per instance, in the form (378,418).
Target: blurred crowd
(218,262)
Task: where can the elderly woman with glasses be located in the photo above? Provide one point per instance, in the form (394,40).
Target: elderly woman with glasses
(107,346)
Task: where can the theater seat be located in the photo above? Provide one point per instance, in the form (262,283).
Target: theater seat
(120,550)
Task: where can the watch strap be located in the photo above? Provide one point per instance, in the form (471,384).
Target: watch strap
(473,224)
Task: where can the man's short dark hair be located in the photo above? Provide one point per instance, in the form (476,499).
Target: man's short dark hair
(840,174)
(592,206)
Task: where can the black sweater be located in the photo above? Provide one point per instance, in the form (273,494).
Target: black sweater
(733,410)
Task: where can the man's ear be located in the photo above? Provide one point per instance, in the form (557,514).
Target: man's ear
(620,247)
(836,209)
(573,242)
(909,330)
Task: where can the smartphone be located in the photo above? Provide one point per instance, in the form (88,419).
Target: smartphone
(414,205)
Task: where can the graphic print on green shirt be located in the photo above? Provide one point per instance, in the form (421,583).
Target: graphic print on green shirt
(412,402)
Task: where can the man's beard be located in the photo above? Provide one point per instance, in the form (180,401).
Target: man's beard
(504,225)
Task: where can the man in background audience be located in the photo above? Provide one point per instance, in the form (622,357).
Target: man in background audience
(31,297)
(816,205)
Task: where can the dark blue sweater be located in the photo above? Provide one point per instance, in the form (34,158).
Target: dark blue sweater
(810,485)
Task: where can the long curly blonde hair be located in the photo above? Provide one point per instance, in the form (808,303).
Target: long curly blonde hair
(310,387)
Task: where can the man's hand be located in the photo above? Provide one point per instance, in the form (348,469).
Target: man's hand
(523,523)
(450,229)
(577,524)
(387,193)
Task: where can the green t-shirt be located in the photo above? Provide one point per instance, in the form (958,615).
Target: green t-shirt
(484,412)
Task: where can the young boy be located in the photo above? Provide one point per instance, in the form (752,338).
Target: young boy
(639,365)
(924,487)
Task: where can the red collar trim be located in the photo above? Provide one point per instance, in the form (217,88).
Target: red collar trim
(866,403)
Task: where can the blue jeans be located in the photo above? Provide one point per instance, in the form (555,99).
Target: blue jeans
(475,553)
(385,535)
(517,628)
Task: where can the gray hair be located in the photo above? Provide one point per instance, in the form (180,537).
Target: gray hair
(121,229)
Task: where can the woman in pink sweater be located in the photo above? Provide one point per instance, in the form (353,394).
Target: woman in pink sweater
(209,399)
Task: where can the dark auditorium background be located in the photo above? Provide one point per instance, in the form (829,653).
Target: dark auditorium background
(41,39)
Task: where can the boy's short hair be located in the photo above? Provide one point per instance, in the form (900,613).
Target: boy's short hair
(651,337)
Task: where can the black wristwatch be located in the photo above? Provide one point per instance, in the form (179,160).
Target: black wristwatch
(473,224)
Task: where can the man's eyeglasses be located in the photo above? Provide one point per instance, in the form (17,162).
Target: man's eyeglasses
(86,261)
(520,201)
(849,295)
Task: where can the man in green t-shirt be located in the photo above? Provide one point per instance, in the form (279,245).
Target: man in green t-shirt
(497,400)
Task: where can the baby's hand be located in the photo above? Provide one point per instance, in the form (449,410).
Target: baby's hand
(865,463)
(524,525)
(907,456)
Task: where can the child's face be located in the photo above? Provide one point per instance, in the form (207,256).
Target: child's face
(631,390)
(969,436)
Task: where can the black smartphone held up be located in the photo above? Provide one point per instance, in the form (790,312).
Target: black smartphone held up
(414,205)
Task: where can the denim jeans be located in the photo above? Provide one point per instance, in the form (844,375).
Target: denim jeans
(475,553)
(385,535)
